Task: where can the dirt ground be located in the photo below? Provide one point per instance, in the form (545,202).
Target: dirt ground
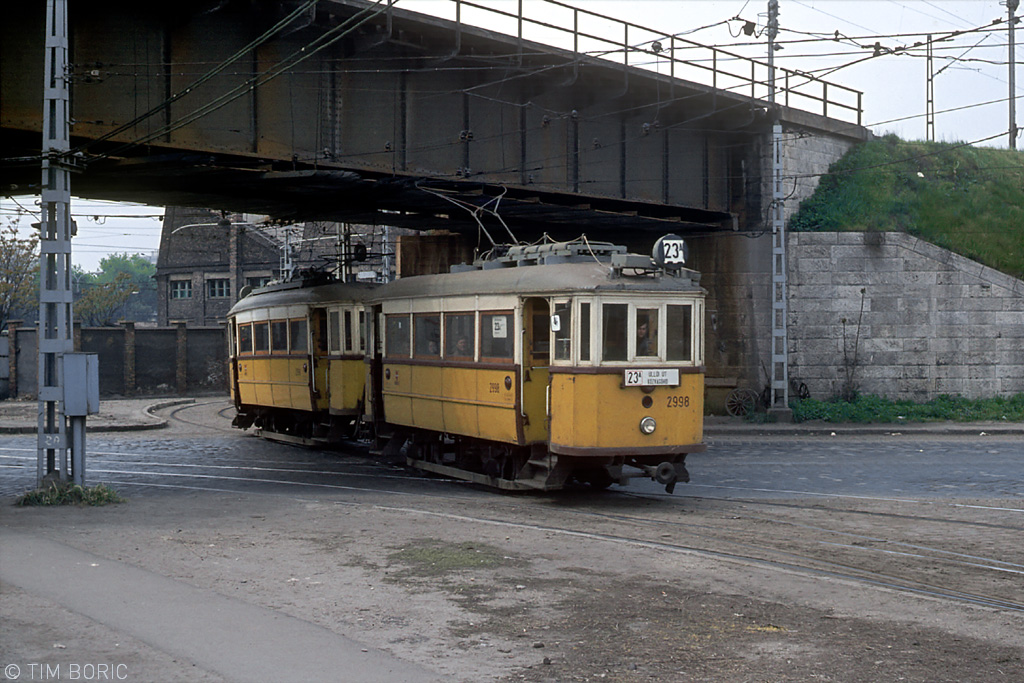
(480,588)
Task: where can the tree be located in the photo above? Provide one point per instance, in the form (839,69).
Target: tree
(104,303)
(123,289)
(19,264)
(141,302)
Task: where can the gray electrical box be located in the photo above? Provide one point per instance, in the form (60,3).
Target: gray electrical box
(81,384)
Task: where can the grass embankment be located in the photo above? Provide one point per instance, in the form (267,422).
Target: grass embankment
(969,200)
(878,409)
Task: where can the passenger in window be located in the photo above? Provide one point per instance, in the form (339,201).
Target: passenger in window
(462,347)
(643,340)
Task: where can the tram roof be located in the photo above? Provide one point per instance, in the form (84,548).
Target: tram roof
(537,279)
(291,293)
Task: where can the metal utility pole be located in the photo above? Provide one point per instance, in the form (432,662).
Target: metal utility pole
(780,311)
(929,118)
(779,380)
(773,32)
(1011,8)
(55,296)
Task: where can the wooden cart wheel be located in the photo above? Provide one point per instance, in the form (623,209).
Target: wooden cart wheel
(741,402)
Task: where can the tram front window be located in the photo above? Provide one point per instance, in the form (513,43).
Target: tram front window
(646,332)
(679,324)
(613,331)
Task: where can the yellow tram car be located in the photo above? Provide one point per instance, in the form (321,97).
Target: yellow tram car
(296,356)
(557,362)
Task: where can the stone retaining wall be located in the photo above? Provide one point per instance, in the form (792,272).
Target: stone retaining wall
(902,318)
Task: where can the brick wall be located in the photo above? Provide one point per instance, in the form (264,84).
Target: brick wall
(919,320)
(160,361)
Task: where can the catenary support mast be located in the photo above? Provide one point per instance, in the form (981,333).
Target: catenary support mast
(779,380)
(1011,8)
(55,314)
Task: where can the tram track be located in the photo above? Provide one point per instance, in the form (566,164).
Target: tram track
(713,541)
(762,539)
(759,555)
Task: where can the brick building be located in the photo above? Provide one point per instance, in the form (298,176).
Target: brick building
(205,259)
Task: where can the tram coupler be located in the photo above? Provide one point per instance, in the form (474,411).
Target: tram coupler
(667,473)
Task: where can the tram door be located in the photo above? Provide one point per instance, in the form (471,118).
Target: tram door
(374,349)
(319,387)
(536,358)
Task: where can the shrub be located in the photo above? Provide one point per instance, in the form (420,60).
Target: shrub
(869,408)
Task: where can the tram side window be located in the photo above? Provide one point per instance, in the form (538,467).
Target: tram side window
(319,329)
(279,336)
(496,335)
(334,322)
(584,332)
(397,328)
(561,325)
(613,331)
(458,336)
(679,328)
(298,334)
(427,335)
(244,339)
(362,331)
(261,337)
(348,331)
(647,332)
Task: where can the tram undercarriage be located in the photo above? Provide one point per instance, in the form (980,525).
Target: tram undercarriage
(519,468)
(319,430)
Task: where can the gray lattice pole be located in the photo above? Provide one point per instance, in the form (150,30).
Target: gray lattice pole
(779,380)
(1011,7)
(55,315)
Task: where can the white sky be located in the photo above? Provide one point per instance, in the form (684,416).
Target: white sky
(894,85)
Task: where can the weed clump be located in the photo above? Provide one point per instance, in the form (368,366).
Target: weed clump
(64,493)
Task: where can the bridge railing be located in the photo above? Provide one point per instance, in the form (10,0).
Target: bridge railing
(590,35)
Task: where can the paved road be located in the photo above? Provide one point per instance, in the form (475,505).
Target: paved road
(874,465)
(198,452)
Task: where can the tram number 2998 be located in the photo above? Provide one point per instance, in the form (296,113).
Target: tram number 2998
(678,402)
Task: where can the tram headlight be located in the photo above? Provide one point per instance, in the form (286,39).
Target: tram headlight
(648,425)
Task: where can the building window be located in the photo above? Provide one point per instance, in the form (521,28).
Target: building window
(257,282)
(181,289)
(218,289)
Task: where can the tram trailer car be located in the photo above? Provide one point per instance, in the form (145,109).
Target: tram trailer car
(296,355)
(553,363)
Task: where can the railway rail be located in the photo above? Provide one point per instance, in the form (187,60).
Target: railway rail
(944,549)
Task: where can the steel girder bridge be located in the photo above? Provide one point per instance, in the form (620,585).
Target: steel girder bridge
(366,112)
